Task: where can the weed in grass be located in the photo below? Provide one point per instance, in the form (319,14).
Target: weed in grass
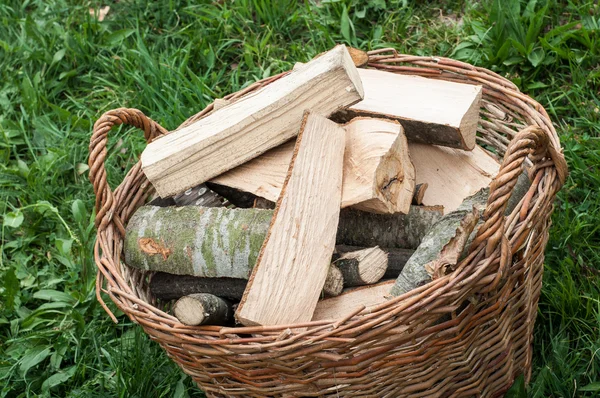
(61,68)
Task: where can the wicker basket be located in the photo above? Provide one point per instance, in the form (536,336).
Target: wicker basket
(468,333)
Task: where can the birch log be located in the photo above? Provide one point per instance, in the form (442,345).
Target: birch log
(362,267)
(251,125)
(396,258)
(203,309)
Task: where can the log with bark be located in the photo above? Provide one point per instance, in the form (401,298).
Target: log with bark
(294,259)
(432,111)
(396,258)
(378,172)
(362,267)
(251,125)
(203,309)
(445,243)
(221,242)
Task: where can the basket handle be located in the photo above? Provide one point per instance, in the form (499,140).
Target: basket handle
(98,141)
(532,142)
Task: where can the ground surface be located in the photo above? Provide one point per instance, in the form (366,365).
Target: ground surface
(61,68)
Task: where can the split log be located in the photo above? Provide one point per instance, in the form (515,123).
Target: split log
(203,309)
(452,175)
(419,194)
(334,283)
(397,258)
(431,111)
(378,172)
(200,195)
(294,259)
(251,125)
(448,239)
(362,267)
(352,299)
(220,242)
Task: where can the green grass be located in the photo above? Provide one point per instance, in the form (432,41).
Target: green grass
(61,69)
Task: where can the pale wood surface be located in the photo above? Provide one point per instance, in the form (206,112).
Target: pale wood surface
(294,260)
(338,307)
(203,309)
(362,267)
(252,125)
(378,173)
(431,111)
(451,174)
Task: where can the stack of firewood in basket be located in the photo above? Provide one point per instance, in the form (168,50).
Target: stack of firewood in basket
(331,189)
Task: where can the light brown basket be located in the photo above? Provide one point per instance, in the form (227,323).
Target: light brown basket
(468,333)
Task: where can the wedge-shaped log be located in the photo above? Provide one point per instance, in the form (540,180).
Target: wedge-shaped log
(378,173)
(451,174)
(294,260)
(252,125)
(351,300)
(431,111)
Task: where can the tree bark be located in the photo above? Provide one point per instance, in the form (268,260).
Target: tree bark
(362,267)
(203,309)
(396,258)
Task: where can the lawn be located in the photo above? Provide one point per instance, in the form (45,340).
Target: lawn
(61,67)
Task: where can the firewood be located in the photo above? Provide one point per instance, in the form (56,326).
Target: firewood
(419,194)
(203,309)
(447,240)
(378,173)
(397,258)
(431,111)
(334,283)
(362,267)
(233,196)
(167,286)
(352,299)
(200,195)
(294,259)
(451,174)
(251,125)
(221,242)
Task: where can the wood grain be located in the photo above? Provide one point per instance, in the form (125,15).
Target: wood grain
(294,260)
(431,111)
(252,125)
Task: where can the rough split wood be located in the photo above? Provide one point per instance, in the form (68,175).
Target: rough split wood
(396,258)
(362,267)
(431,111)
(252,125)
(378,173)
(203,309)
(451,174)
(293,262)
(352,299)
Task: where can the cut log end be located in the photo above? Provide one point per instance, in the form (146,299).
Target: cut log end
(334,284)
(203,309)
(363,267)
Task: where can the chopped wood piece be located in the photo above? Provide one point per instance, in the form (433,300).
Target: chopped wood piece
(294,260)
(203,309)
(396,258)
(349,301)
(363,267)
(200,195)
(358,228)
(450,237)
(359,57)
(170,287)
(220,103)
(431,111)
(252,125)
(334,284)
(419,193)
(414,272)
(378,173)
(451,174)
(234,196)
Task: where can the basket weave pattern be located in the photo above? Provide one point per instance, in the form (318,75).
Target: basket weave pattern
(468,333)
